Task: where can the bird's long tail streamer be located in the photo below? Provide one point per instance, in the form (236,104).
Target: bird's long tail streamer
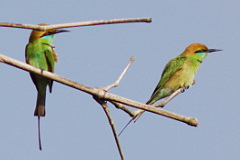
(134,119)
(125,127)
(39,134)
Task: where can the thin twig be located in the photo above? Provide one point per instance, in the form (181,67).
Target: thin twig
(116,83)
(161,104)
(75,24)
(125,109)
(97,92)
(111,122)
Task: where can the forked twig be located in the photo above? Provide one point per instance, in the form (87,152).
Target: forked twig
(105,107)
(116,83)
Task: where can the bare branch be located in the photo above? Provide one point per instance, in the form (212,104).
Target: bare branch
(139,112)
(111,122)
(125,109)
(97,92)
(76,24)
(136,112)
(116,83)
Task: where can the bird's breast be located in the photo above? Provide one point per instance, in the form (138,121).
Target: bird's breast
(184,77)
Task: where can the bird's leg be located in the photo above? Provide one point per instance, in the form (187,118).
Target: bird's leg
(183,89)
(194,82)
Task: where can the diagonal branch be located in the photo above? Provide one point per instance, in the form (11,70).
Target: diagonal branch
(76,24)
(111,122)
(116,83)
(97,92)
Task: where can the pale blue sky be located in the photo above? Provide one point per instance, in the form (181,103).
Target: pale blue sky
(76,127)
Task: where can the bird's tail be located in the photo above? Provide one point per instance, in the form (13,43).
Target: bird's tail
(39,135)
(40,112)
(40,106)
(140,112)
(135,118)
(138,115)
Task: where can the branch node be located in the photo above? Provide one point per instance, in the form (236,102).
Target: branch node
(100,93)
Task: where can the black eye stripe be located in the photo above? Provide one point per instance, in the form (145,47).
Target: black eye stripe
(47,33)
(201,50)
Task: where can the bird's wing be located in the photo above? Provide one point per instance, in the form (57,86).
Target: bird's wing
(41,55)
(170,69)
(30,59)
(50,59)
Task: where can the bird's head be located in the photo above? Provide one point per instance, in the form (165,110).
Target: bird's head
(198,51)
(35,34)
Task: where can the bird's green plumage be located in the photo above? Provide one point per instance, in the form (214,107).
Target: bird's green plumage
(170,69)
(179,72)
(40,53)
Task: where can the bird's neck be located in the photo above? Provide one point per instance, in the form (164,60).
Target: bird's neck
(200,56)
(47,39)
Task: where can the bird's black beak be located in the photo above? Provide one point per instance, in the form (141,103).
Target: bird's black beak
(60,31)
(214,50)
(55,31)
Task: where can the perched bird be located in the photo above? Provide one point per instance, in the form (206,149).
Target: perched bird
(40,53)
(178,73)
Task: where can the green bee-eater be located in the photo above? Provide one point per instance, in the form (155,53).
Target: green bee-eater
(40,53)
(179,73)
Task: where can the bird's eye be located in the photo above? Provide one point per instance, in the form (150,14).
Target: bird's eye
(201,50)
(45,34)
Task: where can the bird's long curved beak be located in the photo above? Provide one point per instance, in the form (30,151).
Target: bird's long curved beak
(214,50)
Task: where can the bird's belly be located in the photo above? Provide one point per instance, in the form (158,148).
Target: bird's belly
(181,79)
